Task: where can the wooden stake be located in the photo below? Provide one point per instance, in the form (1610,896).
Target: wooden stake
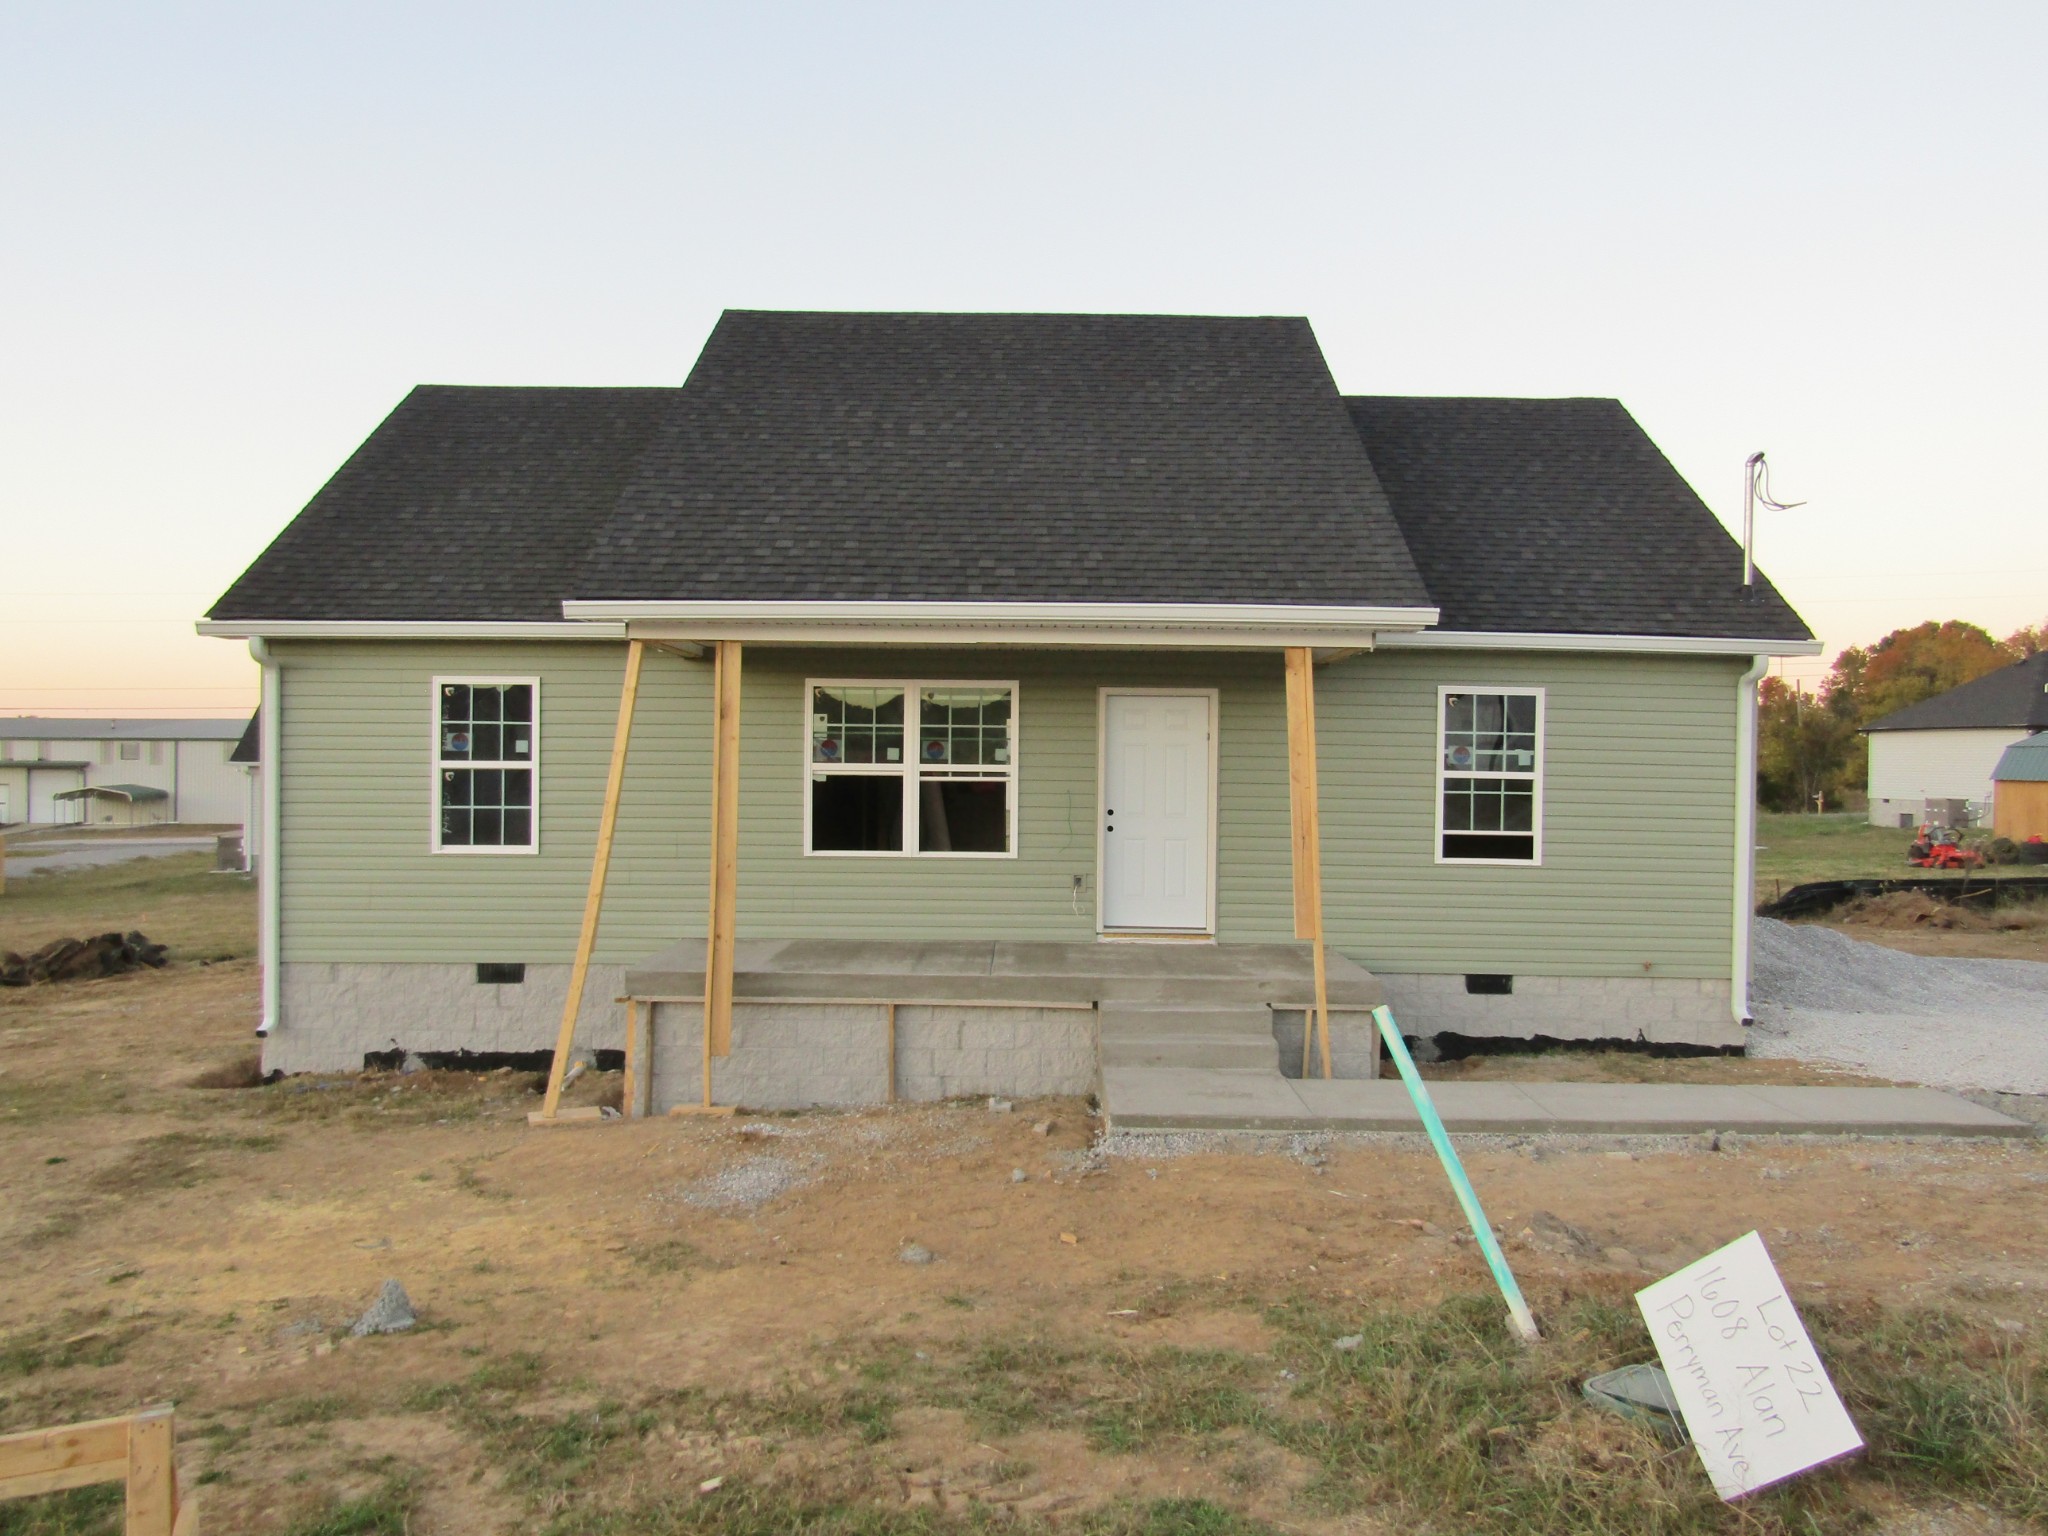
(721,911)
(152,1478)
(600,865)
(1303,800)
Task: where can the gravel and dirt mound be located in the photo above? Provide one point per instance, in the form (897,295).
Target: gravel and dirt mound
(1820,995)
(1916,909)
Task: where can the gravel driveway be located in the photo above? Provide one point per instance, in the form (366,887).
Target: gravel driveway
(1819,995)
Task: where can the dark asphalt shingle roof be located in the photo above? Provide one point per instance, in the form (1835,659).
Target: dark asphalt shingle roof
(2012,698)
(1558,517)
(249,749)
(1055,458)
(465,504)
(1086,458)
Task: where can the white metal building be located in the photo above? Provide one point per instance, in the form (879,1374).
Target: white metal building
(144,771)
(1946,747)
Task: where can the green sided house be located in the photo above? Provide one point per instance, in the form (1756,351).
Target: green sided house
(993,702)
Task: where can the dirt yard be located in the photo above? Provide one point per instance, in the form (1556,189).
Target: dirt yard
(935,1318)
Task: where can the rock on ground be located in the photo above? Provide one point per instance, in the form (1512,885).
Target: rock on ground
(391,1312)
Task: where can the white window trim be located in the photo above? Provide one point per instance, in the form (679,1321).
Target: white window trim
(1443,692)
(435,765)
(908,770)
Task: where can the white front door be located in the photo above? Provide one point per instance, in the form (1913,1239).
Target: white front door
(1156,811)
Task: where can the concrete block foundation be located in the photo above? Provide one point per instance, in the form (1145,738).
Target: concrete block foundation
(800,1055)
(1655,1010)
(333,1015)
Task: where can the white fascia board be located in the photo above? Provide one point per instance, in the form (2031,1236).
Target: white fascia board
(1132,625)
(1640,645)
(1047,637)
(404,629)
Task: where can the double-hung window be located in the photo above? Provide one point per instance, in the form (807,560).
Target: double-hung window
(1490,775)
(486,764)
(911,768)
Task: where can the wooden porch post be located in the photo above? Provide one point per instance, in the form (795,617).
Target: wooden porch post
(1308,843)
(600,865)
(721,911)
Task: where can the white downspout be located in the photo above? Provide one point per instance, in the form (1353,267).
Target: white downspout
(269,894)
(1745,837)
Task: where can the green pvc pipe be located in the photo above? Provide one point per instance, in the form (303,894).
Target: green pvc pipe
(1482,1233)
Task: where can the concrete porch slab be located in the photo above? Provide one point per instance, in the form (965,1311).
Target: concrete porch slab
(1139,1099)
(998,971)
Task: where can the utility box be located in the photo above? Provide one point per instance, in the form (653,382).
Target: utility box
(1948,813)
(227,854)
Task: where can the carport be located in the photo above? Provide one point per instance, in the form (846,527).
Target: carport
(118,805)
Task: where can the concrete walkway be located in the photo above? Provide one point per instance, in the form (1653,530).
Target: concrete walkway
(1182,1098)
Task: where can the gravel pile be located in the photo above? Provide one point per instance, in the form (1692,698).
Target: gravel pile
(1819,995)
(748,1184)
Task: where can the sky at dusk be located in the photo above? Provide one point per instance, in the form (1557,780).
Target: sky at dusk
(232,237)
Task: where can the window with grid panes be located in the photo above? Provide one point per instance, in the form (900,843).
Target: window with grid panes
(1490,767)
(486,735)
(912,768)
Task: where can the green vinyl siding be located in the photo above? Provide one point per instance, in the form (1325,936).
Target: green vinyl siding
(1638,809)
(1638,818)
(359,879)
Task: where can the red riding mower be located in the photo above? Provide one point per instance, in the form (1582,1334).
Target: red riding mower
(1942,848)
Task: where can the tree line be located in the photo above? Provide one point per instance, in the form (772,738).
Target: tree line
(1810,750)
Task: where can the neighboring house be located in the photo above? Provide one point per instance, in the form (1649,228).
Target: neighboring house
(1944,748)
(118,772)
(1009,596)
(2019,786)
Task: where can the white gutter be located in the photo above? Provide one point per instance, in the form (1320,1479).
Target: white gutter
(1104,626)
(1641,645)
(404,629)
(1745,838)
(269,890)
(978,615)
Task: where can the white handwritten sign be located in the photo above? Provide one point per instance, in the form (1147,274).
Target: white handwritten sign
(1755,1397)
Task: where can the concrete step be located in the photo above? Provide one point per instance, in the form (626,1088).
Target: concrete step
(1225,1038)
(1191,1051)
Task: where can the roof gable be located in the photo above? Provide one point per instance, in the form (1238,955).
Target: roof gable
(1019,458)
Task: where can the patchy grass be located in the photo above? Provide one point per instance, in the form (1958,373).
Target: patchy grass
(174,1161)
(743,1508)
(177,901)
(387,1511)
(1842,845)
(665,1256)
(87,1338)
(323,1409)
(95,1511)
